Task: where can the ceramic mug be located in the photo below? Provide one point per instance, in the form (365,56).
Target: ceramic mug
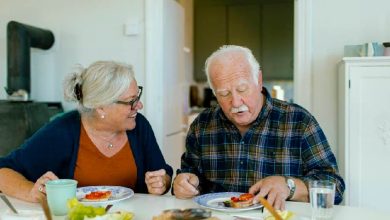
(58,193)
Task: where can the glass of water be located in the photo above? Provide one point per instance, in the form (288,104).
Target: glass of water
(321,199)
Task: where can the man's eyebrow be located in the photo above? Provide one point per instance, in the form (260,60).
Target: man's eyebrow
(242,82)
(221,90)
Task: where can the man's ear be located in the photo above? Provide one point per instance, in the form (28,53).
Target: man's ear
(260,78)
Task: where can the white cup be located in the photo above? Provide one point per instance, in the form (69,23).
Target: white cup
(322,193)
(58,193)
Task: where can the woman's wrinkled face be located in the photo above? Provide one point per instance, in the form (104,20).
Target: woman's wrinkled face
(236,90)
(123,115)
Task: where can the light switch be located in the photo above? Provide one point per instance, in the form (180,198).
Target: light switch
(131,29)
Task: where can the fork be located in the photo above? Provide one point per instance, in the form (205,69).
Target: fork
(108,207)
(8,203)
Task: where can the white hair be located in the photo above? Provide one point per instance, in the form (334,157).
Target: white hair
(98,85)
(225,49)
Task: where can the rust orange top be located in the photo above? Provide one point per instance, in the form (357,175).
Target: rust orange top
(95,169)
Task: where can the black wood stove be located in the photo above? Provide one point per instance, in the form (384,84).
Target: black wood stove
(20,117)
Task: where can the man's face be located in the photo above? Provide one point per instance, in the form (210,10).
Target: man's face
(236,90)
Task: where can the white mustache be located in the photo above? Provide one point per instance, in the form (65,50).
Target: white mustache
(242,108)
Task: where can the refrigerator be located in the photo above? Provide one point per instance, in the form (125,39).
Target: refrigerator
(165,77)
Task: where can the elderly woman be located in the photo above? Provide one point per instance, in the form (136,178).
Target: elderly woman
(105,142)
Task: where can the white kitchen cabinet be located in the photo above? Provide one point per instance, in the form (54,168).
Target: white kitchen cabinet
(364,131)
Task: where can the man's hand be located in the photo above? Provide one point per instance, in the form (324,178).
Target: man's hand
(185,185)
(274,188)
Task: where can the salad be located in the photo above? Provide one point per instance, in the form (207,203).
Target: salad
(78,211)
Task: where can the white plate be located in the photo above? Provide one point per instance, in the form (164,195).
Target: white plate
(119,193)
(215,201)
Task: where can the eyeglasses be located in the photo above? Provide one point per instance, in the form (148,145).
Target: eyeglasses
(133,102)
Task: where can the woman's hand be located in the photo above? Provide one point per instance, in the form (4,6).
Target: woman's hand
(38,190)
(157,181)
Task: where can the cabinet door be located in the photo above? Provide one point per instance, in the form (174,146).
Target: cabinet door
(244,27)
(265,27)
(369,136)
(210,34)
(277,41)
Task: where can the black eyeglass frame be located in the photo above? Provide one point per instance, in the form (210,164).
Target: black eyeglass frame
(135,101)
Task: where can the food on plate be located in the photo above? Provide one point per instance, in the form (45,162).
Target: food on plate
(78,211)
(188,214)
(244,200)
(97,196)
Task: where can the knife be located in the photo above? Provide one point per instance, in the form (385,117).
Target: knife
(45,207)
(6,201)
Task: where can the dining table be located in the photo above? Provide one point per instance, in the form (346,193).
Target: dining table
(147,206)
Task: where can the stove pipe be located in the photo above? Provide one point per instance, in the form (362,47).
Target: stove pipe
(20,37)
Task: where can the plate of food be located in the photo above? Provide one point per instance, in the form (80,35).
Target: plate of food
(97,195)
(227,201)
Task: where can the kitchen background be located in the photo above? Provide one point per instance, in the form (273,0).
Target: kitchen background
(142,32)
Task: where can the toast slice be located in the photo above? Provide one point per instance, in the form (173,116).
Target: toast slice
(243,201)
(242,204)
(97,196)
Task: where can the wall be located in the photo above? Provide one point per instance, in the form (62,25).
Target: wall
(85,31)
(335,24)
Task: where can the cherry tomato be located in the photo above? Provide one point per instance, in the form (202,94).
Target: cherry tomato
(235,199)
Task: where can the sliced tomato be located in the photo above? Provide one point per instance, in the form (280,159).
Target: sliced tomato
(98,195)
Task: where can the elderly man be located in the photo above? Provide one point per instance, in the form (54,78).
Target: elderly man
(252,142)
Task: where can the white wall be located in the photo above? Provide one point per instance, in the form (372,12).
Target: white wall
(337,23)
(85,31)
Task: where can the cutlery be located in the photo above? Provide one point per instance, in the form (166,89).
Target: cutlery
(9,204)
(45,207)
(270,208)
(108,207)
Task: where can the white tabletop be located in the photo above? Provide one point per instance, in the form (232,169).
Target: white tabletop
(146,206)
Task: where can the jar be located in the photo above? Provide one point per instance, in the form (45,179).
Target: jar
(386,51)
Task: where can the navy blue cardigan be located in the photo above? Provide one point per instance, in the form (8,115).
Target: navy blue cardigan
(55,146)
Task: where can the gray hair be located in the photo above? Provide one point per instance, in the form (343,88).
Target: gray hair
(255,66)
(98,85)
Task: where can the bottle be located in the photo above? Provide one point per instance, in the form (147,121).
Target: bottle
(277,92)
(370,49)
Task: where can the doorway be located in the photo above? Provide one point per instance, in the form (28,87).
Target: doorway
(301,61)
